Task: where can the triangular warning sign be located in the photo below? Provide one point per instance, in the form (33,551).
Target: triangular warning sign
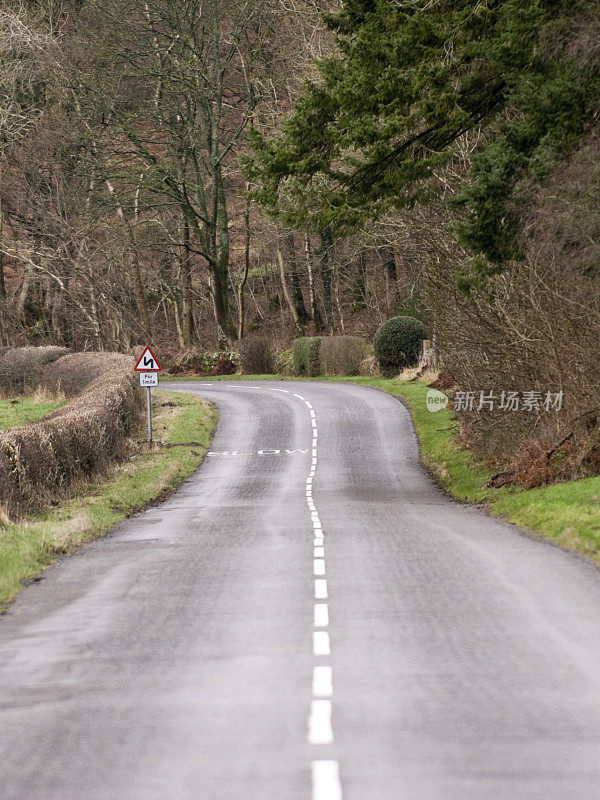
(148,362)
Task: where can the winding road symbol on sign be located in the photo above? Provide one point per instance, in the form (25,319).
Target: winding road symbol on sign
(148,362)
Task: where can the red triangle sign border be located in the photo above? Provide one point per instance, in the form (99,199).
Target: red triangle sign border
(140,367)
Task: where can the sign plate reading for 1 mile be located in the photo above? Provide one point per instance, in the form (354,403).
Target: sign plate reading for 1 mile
(148,379)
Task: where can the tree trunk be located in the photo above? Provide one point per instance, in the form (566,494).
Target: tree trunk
(187,311)
(286,291)
(314,307)
(360,283)
(23,292)
(326,273)
(99,343)
(178,328)
(338,298)
(138,288)
(293,272)
(390,265)
(242,283)
(225,327)
(3,295)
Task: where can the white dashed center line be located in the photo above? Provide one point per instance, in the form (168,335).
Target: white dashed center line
(325,773)
(326,780)
(321,615)
(321,645)
(319,723)
(322,685)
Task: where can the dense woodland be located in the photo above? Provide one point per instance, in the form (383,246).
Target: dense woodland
(197,172)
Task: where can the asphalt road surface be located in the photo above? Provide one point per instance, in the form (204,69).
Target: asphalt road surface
(308,617)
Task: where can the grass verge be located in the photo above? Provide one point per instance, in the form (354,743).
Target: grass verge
(30,545)
(22,410)
(567,513)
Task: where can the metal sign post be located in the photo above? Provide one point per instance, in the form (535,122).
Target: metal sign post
(148,367)
(149,415)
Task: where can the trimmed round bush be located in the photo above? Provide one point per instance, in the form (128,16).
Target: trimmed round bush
(397,343)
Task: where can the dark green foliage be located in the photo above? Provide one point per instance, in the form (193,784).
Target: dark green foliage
(397,343)
(306,352)
(409,79)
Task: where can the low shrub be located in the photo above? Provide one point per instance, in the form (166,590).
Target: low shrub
(21,368)
(369,367)
(305,352)
(188,362)
(397,343)
(342,355)
(39,462)
(225,365)
(284,363)
(197,362)
(256,357)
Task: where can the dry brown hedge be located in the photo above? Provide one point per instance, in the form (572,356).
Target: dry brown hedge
(41,462)
(342,355)
(72,374)
(22,368)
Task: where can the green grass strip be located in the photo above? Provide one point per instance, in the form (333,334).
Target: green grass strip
(22,410)
(35,542)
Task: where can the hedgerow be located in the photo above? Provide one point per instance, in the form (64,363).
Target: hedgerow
(306,355)
(22,368)
(41,462)
(342,355)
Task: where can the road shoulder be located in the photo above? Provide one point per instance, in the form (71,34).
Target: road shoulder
(148,476)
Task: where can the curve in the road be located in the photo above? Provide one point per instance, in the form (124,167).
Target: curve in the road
(173,659)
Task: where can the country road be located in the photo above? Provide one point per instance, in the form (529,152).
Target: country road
(307,617)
